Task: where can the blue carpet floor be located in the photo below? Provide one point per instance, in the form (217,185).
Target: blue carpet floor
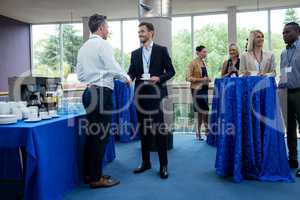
(192,176)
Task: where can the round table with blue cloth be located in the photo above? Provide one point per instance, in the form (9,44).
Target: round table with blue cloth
(247,128)
(125,122)
(54,155)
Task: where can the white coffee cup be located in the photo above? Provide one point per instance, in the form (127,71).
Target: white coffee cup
(33,112)
(44,114)
(22,104)
(146,76)
(25,112)
(4,108)
(32,115)
(18,112)
(52,113)
(12,104)
(34,109)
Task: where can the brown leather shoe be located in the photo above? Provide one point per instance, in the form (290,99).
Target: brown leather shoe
(88,179)
(104,183)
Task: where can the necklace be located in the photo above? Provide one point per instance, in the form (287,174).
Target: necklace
(257,60)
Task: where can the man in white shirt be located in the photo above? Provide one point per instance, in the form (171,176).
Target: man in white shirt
(97,67)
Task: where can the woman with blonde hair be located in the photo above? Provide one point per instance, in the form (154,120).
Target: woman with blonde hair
(257,61)
(231,66)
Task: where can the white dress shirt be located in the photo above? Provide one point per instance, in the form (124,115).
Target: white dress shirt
(147,57)
(96,64)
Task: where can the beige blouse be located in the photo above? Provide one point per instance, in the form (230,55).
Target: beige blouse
(249,63)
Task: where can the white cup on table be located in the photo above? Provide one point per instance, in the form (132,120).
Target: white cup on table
(52,113)
(22,104)
(18,112)
(26,113)
(4,108)
(44,114)
(33,112)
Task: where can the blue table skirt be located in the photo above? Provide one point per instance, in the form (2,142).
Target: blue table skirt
(125,122)
(247,128)
(54,155)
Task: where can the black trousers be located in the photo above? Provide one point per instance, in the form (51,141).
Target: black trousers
(151,123)
(293,115)
(98,105)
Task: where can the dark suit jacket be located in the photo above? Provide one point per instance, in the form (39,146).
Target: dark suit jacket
(160,65)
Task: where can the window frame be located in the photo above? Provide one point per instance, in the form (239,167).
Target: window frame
(192,15)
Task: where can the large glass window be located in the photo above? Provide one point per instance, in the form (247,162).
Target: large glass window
(72,40)
(209,30)
(49,59)
(46,50)
(212,32)
(184,119)
(130,39)
(115,38)
(181,46)
(248,21)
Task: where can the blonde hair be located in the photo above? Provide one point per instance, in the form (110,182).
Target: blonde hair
(235,46)
(250,45)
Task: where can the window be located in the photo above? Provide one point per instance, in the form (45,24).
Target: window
(278,19)
(212,32)
(248,21)
(46,50)
(181,46)
(49,59)
(115,38)
(72,40)
(130,39)
(184,120)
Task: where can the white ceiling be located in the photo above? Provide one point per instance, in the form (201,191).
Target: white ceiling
(46,11)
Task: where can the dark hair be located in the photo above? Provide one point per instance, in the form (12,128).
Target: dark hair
(149,26)
(200,48)
(246,46)
(95,21)
(295,25)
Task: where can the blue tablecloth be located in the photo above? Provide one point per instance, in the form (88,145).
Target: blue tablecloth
(125,122)
(247,127)
(54,154)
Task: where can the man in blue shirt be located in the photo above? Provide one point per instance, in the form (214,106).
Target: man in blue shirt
(290,79)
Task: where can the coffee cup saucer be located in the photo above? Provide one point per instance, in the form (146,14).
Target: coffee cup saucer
(33,120)
(145,79)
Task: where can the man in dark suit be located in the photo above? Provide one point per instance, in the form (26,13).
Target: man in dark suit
(151,67)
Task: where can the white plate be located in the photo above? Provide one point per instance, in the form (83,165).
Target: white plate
(7,116)
(46,117)
(55,116)
(8,121)
(33,120)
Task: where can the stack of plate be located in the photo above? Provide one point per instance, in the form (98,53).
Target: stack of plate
(8,119)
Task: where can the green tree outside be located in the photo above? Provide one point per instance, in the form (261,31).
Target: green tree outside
(47,53)
(291,16)
(213,36)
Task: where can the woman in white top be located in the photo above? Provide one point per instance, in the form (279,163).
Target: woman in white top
(256,61)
